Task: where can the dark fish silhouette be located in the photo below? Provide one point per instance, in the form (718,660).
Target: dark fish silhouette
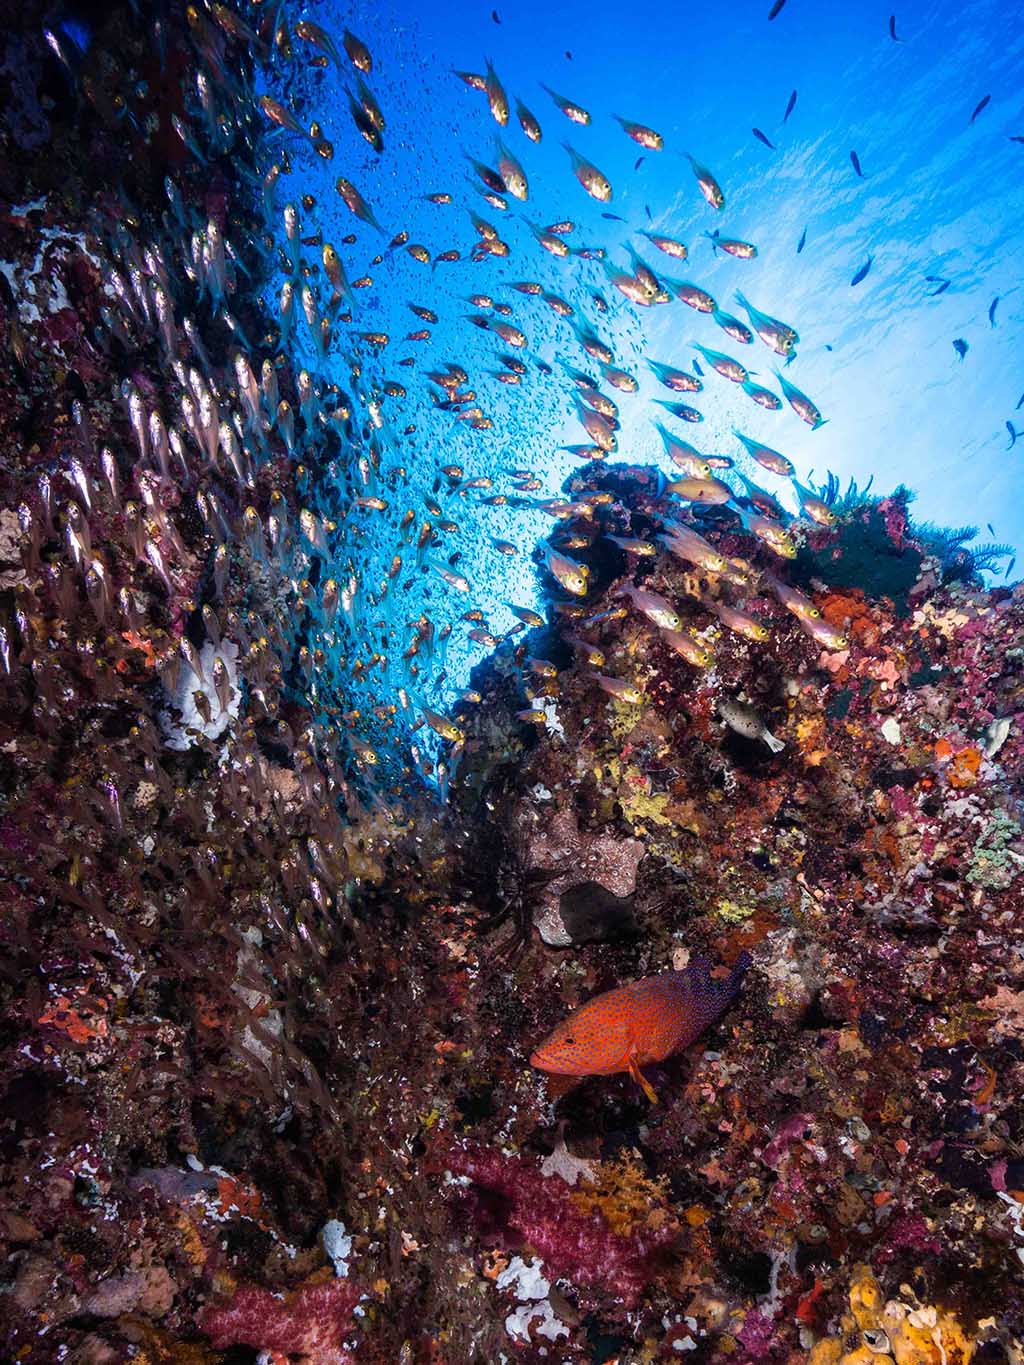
(1020,403)
(980,106)
(802,242)
(776,9)
(961,347)
(892,29)
(1014,137)
(1014,433)
(862,273)
(991,528)
(494,16)
(1009,567)
(856,164)
(650,215)
(943,285)
(790,106)
(762,138)
(614,216)
(638,163)
(697,369)
(992,311)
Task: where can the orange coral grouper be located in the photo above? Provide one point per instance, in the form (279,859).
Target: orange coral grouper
(646,1021)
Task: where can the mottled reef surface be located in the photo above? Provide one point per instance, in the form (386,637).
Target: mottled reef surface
(264,1031)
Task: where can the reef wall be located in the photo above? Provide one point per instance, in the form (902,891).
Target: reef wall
(265,1028)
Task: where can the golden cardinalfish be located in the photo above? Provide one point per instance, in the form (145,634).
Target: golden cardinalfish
(646,1021)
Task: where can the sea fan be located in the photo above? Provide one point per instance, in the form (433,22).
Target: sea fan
(959,559)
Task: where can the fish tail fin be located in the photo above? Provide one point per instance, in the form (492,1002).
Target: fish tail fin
(776,745)
(741,299)
(740,968)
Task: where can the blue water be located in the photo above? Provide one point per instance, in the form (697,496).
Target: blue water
(940,197)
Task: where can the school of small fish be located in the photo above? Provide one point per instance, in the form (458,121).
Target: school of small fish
(396,463)
(361,438)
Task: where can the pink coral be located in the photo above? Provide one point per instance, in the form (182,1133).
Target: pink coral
(577,1246)
(310,1322)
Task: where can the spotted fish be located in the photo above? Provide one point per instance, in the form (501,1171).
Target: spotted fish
(646,1021)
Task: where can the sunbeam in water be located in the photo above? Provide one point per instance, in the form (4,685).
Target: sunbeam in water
(517,246)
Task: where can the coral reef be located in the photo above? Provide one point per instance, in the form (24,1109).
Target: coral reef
(265,1026)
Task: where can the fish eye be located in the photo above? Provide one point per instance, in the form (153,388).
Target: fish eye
(814,613)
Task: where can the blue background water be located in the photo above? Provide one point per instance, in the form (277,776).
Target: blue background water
(939,197)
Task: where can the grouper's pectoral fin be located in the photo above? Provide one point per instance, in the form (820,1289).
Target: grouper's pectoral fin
(641,1079)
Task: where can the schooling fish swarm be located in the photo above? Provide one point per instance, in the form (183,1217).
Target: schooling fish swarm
(389,470)
(265,1080)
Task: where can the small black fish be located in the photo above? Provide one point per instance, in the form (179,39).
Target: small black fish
(568,56)
(697,369)
(1015,138)
(761,138)
(862,273)
(790,106)
(638,163)
(614,217)
(991,528)
(802,242)
(992,311)
(980,107)
(1020,403)
(650,215)
(961,347)
(892,29)
(856,164)
(1009,567)
(1014,433)
(494,16)
(776,9)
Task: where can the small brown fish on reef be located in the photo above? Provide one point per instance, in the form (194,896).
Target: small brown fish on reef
(278,114)
(709,186)
(619,689)
(527,122)
(356,203)
(598,186)
(710,492)
(314,34)
(496,97)
(358,52)
(667,244)
(647,1021)
(646,137)
(574,112)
